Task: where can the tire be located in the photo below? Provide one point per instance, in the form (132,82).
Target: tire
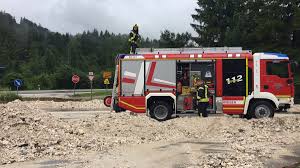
(161,111)
(262,109)
(107,101)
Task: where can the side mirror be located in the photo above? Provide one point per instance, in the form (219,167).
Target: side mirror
(294,66)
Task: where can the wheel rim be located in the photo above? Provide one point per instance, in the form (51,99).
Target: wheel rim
(262,111)
(161,112)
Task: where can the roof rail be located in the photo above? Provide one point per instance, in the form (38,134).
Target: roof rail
(191,50)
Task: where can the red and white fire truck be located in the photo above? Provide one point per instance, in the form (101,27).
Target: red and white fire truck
(159,82)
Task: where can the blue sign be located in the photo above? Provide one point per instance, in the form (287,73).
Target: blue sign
(18,82)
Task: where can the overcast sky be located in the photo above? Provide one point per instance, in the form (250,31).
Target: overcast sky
(117,16)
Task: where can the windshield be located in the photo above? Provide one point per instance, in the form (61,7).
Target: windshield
(280,69)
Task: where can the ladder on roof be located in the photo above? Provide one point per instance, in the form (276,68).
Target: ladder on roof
(191,50)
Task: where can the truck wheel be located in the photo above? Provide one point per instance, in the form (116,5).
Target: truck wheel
(161,111)
(262,109)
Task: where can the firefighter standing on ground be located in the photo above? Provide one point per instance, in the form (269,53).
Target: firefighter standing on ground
(134,37)
(202,97)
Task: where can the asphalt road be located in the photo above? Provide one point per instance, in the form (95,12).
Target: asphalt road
(54,93)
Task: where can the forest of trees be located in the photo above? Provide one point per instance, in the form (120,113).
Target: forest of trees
(41,57)
(258,25)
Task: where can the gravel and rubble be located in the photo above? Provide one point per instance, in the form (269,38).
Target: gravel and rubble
(253,142)
(28,132)
(295,109)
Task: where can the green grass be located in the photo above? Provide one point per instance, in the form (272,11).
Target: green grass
(4,89)
(96,94)
(8,97)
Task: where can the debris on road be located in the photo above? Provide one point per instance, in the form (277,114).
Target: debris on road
(29,133)
(294,109)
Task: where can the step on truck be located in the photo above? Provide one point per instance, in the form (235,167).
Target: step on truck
(159,82)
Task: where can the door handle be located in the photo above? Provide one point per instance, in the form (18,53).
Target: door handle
(266,87)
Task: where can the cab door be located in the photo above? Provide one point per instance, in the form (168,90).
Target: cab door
(276,78)
(235,88)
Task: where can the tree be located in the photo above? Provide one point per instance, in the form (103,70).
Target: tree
(213,21)
(258,25)
(48,58)
(171,40)
(296,29)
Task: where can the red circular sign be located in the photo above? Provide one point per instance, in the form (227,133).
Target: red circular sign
(107,101)
(75,79)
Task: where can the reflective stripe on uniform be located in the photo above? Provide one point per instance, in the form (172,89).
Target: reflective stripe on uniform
(200,88)
(205,99)
(131,39)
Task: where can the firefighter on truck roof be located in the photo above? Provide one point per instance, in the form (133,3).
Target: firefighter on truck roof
(202,97)
(134,37)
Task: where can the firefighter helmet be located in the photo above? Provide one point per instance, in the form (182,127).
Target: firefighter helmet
(197,78)
(135,28)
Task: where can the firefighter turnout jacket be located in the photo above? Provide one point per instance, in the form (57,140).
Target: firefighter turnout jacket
(202,94)
(133,37)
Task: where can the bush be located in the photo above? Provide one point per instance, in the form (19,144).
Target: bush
(8,97)
(8,80)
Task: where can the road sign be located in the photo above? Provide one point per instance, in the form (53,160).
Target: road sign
(91,76)
(107,75)
(18,83)
(75,79)
(106,82)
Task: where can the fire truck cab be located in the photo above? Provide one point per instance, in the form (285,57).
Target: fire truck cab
(160,82)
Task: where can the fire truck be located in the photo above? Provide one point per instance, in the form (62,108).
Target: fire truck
(160,82)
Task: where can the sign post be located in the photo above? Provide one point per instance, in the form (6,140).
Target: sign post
(91,78)
(75,80)
(18,83)
(106,83)
(106,76)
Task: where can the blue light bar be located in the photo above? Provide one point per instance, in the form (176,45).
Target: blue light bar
(277,54)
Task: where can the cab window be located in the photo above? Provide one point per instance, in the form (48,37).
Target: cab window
(280,69)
